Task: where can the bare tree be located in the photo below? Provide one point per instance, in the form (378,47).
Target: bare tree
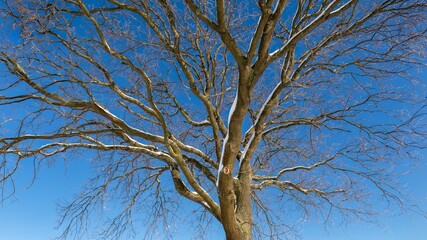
(257,112)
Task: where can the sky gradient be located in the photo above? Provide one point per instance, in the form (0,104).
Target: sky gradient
(31,214)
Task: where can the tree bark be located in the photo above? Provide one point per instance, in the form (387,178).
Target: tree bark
(233,227)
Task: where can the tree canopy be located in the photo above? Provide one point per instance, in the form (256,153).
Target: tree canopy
(249,113)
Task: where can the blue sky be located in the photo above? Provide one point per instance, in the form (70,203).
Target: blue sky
(409,226)
(31,213)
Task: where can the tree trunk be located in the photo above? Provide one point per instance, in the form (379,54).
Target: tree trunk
(234,195)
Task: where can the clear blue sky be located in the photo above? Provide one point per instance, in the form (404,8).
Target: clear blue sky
(31,213)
